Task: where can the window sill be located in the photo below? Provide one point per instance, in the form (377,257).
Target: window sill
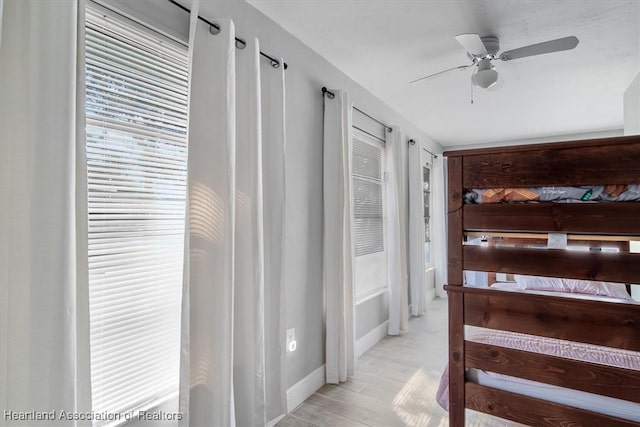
(370,295)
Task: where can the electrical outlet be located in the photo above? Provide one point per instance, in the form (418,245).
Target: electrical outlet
(291,339)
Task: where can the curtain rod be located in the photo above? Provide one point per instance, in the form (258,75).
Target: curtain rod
(331,95)
(240,43)
(413,142)
(376,137)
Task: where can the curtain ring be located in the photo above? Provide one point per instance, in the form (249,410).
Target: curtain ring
(214,29)
(240,44)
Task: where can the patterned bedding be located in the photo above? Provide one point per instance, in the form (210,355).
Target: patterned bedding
(596,193)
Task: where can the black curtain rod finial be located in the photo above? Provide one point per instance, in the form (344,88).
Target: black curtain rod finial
(326,91)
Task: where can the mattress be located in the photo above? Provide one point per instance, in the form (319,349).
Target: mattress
(572,350)
(586,290)
(595,193)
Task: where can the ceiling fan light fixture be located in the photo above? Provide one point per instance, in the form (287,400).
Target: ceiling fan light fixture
(485,76)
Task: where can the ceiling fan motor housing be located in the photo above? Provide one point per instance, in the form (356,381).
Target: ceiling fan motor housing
(492,43)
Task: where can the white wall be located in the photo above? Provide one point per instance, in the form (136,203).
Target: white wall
(540,140)
(632,107)
(306,75)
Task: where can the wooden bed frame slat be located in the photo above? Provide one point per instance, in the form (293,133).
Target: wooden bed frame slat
(609,267)
(602,323)
(532,411)
(533,239)
(599,165)
(603,218)
(456,325)
(454,219)
(590,377)
(456,360)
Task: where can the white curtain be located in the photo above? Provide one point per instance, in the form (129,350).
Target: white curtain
(1,7)
(44,344)
(439,224)
(248,327)
(396,232)
(223,355)
(274,194)
(338,275)
(416,231)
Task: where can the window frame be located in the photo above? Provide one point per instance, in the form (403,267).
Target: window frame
(379,256)
(426,162)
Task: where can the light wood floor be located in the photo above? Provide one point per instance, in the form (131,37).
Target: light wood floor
(394,384)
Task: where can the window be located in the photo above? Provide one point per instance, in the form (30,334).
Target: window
(426,199)
(136,109)
(367,198)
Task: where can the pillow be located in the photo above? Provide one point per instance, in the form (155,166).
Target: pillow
(475,279)
(553,284)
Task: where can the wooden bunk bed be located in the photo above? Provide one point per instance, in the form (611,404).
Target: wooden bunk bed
(617,325)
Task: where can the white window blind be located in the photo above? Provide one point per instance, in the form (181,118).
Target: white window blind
(367,198)
(136,108)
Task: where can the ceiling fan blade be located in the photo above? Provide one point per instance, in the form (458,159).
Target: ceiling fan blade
(557,45)
(472,44)
(460,67)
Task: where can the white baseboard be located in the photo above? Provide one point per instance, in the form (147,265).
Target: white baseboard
(273,422)
(431,295)
(300,391)
(371,338)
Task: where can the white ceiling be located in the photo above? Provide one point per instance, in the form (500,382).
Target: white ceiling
(385,44)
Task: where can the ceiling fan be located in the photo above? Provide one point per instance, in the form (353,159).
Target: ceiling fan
(483,50)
